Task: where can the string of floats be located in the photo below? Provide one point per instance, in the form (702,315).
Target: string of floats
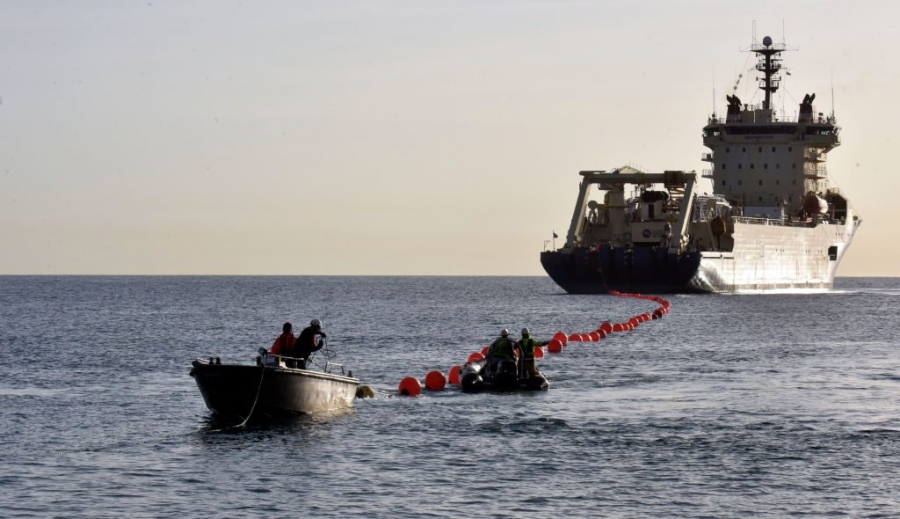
(435,380)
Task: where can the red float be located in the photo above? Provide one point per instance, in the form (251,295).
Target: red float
(484,351)
(454,375)
(539,353)
(555,346)
(410,386)
(435,381)
(475,356)
(595,336)
(606,327)
(561,337)
(617,327)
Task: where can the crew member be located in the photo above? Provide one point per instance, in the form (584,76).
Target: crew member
(308,342)
(527,345)
(503,348)
(284,342)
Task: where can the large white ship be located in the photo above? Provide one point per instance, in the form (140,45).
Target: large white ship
(773,222)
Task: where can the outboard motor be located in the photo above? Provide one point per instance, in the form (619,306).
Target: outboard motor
(506,375)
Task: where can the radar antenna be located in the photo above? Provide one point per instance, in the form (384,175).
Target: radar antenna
(769,64)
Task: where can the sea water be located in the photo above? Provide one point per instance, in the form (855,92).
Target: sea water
(730,406)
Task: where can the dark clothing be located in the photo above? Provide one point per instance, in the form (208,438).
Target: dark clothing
(308,342)
(502,348)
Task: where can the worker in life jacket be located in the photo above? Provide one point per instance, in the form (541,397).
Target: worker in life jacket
(308,342)
(284,342)
(527,345)
(503,348)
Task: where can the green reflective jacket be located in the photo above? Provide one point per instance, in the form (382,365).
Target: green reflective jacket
(528,345)
(502,347)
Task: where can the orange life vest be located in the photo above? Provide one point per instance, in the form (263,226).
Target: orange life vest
(283,344)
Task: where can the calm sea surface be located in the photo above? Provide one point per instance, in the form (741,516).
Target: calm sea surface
(730,406)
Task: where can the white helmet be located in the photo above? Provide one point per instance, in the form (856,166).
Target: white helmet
(315,322)
(504,332)
(525,332)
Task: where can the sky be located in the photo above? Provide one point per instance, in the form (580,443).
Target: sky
(395,137)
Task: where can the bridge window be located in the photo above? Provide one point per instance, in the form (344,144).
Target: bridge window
(760,182)
(765,166)
(751,165)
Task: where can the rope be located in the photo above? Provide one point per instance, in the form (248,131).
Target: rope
(253,408)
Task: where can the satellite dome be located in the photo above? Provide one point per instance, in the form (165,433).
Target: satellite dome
(767,41)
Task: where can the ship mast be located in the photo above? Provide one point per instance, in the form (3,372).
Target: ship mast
(769,64)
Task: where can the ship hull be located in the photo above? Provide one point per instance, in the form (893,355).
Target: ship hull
(764,258)
(234,391)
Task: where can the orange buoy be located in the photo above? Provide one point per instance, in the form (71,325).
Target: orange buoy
(484,351)
(435,380)
(606,327)
(410,386)
(585,337)
(555,346)
(454,375)
(539,353)
(617,327)
(561,337)
(594,335)
(602,334)
(575,337)
(475,356)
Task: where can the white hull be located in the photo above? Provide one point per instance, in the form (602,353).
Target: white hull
(776,258)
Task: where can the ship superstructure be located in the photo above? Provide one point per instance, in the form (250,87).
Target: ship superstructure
(773,222)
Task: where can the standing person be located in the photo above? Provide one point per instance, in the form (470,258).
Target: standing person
(527,345)
(308,342)
(503,348)
(284,342)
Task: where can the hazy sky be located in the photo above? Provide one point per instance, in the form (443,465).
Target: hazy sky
(391,137)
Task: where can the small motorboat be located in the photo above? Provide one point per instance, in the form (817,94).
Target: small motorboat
(503,375)
(271,389)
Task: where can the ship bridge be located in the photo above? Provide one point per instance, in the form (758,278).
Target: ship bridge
(762,161)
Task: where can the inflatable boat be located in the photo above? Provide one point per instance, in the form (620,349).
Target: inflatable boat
(500,375)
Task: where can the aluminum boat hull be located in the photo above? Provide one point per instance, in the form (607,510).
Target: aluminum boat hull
(230,391)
